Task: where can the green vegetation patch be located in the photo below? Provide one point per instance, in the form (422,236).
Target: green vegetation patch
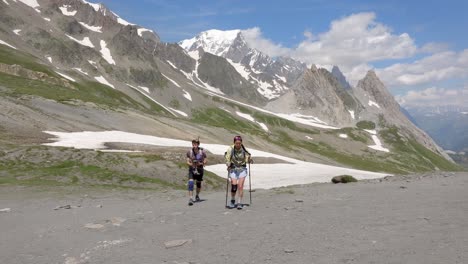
(365,124)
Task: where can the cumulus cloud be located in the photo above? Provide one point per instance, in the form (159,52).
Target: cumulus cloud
(352,42)
(435,97)
(357,41)
(436,67)
(256,40)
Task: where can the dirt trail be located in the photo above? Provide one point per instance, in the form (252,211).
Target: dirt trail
(418,219)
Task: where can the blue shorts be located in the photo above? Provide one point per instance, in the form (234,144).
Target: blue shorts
(238,173)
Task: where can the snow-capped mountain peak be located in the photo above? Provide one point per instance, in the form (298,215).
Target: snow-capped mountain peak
(213,41)
(271,76)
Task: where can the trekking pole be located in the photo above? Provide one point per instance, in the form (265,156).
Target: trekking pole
(227,187)
(250,186)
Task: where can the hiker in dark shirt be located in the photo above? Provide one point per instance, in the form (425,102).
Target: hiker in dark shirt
(196,159)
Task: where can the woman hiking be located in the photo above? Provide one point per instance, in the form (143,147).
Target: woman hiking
(237,158)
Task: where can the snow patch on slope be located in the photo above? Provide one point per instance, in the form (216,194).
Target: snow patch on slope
(17,31)
(65,11)
(179,112)
(102,80)
(266,175)
(250,118)
(6,44)
(85,42)
(152,99)
(187,95)
(66,76)
(106,54)
(32,3)
(92,28)
(176,84)
(372,103)
(80,70)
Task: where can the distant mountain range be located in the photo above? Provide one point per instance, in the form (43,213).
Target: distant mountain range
(447,125)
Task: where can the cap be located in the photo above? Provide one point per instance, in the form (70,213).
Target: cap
(237,138)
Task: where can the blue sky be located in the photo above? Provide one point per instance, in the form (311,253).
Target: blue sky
(424,54)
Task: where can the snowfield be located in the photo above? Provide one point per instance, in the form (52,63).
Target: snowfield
(264,176)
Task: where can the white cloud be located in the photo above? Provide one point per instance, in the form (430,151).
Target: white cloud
(436,67)
(435,97)
(352,42)
(256,40)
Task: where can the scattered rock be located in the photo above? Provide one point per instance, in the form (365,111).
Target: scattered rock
(5,210)
(403,187)
(177,243)
(94,226)
(117,221)
(343,179)
(288,251)
(63,207)
(299,201)
(71,260)
(99,206)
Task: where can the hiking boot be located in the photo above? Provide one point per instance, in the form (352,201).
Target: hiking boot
(190,202)
(197,198)
(240,206)
(232,204)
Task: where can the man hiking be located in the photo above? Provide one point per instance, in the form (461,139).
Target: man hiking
(196,159)
(237,158)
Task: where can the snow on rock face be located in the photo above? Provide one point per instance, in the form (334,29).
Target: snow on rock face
(66,76)
(102,80)
(172,64)
(343,136)
(32,3)
(352,114)
(187,95)
(146,89)
(92,28)
(46,19)
(372,103)
(80,70)
(141,30)
(172,81)
(49,59)
(266,175)
(106,54)
(5,1)
(17,31)
(179,112)
(85,42)
(6,44)
(65,11)
(93,63)
(95,6)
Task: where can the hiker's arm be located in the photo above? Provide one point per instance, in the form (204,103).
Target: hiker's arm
(205,160)
(189,161)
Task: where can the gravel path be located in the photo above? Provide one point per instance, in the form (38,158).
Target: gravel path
(417,219)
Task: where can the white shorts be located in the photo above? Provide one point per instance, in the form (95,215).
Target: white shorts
(238,173)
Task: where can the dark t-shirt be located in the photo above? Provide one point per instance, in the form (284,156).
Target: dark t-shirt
(200,156)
